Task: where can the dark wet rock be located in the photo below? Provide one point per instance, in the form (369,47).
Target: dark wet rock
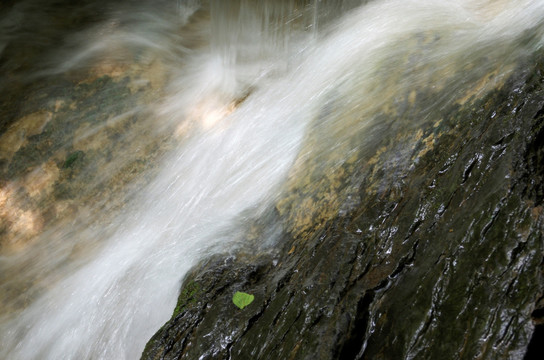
(439,255)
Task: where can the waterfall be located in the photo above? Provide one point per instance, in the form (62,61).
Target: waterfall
(246,84)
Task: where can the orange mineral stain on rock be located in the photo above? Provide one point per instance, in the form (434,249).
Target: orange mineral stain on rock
(16,135)
(18,225)
(41,180)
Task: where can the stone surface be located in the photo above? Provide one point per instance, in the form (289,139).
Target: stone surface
(423,243)
(74,145)
(433,249)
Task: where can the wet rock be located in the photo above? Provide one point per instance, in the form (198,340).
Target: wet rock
(438,255)
(73,148)
(69,142)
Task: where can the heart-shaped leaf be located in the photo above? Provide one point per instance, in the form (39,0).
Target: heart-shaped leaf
(241,299)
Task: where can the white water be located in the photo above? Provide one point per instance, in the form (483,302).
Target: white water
(234,159)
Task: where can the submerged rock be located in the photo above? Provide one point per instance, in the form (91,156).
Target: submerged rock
(73,148)
(429,246)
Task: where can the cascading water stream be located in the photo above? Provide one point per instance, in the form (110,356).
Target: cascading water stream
(243,102)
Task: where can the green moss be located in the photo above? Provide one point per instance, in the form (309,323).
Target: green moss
(72,158)
(188,296)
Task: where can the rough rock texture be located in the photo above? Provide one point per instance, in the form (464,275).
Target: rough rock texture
(73,146)
(69,138)
(441,257)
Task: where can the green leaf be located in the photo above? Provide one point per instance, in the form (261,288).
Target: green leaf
(242,299)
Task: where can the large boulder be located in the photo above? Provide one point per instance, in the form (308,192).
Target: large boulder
(428,244)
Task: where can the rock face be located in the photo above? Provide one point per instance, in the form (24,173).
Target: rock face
(73,146)
(440,257)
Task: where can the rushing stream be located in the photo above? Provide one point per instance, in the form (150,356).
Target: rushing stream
(240,88)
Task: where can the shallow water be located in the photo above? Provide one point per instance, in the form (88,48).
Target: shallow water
(242,94)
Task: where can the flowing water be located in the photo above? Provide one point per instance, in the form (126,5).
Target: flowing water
(244,85)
